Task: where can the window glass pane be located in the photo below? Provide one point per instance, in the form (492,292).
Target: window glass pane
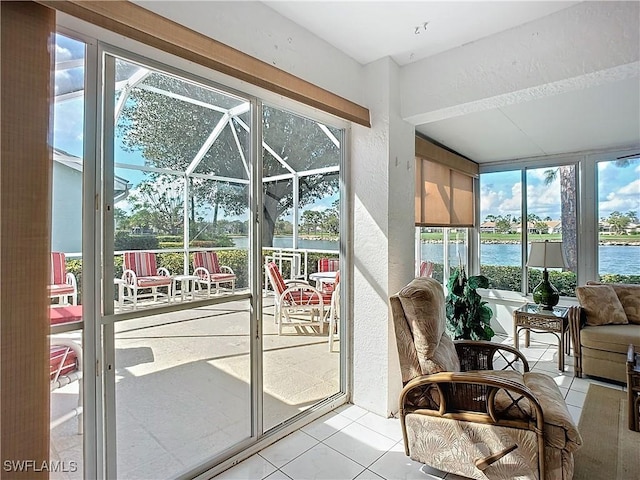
(619,226)
(301,168)
(66,247)
(500,231)
(182,183)
(551,215)
(439,246)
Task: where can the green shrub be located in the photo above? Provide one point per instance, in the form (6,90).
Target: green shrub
(125,241)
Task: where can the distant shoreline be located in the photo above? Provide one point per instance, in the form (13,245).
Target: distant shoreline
(516,242)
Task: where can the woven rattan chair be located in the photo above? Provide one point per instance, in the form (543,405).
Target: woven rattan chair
(473,408)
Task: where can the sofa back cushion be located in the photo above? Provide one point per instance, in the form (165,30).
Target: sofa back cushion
(629,296)
(601,305)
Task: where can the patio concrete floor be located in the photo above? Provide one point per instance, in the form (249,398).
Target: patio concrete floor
(183,387)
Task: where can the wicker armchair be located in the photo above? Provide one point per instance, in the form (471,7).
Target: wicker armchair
(473,408)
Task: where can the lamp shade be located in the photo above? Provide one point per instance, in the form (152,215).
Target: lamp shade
(547,255)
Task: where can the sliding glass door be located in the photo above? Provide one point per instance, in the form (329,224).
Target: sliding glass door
(185,191)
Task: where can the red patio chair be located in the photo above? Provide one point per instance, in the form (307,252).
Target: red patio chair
(328,265)
(209,271)
(297,302)
(63,284)
(65,360)
(426,269)
(141,272)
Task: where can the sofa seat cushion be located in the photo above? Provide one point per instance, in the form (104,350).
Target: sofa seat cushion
(559,429)
(610,338)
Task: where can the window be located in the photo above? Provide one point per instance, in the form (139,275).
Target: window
(551,215)
(442,246)
(501,230)
(618,223)
(541,202)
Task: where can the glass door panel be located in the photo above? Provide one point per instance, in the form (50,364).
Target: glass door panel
(183,388)
(301,166)
(66,447)
(179,315)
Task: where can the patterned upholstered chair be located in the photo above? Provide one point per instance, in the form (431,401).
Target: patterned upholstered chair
(63,284)
(473,408)
(209,271)
(141,272)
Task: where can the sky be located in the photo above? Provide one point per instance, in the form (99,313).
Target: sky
(501,192)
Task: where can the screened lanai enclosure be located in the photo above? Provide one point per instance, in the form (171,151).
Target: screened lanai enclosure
(156,171)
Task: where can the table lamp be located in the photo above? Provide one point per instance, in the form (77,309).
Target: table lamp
(546,255)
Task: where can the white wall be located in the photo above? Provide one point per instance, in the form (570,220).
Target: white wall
(383,183)
(530,61)
(66,227)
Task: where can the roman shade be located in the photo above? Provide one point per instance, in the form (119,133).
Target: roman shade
(444,187)
(25,191)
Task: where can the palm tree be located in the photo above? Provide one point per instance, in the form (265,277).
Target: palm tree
(568,203)
(569,200)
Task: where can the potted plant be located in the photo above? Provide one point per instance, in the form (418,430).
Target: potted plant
(468,317)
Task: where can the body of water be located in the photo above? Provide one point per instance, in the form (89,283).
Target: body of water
(619,259)
(287,242)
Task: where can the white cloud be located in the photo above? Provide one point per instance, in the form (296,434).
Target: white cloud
(623,199)
(62,54)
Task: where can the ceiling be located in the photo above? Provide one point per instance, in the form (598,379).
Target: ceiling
(597,115)
(368,31)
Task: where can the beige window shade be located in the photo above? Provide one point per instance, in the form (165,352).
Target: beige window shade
(25,188)
(137,23)
(444,188)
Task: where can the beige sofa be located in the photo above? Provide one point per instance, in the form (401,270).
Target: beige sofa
(604,326)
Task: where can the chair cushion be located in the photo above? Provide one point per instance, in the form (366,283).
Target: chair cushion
(61,355)
(62,289)
(559,429)
(443,359)
(423,304)
(221,277)
(58,268)
(142,263)
(610,338)
(68,314)
(154,281)
(601,305)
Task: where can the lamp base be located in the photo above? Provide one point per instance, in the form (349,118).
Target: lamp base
(545,294)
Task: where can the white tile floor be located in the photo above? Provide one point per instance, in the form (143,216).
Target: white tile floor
(351,443)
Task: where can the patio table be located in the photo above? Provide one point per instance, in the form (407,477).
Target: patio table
(323,277)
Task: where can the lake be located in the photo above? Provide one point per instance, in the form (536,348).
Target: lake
(620,259)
